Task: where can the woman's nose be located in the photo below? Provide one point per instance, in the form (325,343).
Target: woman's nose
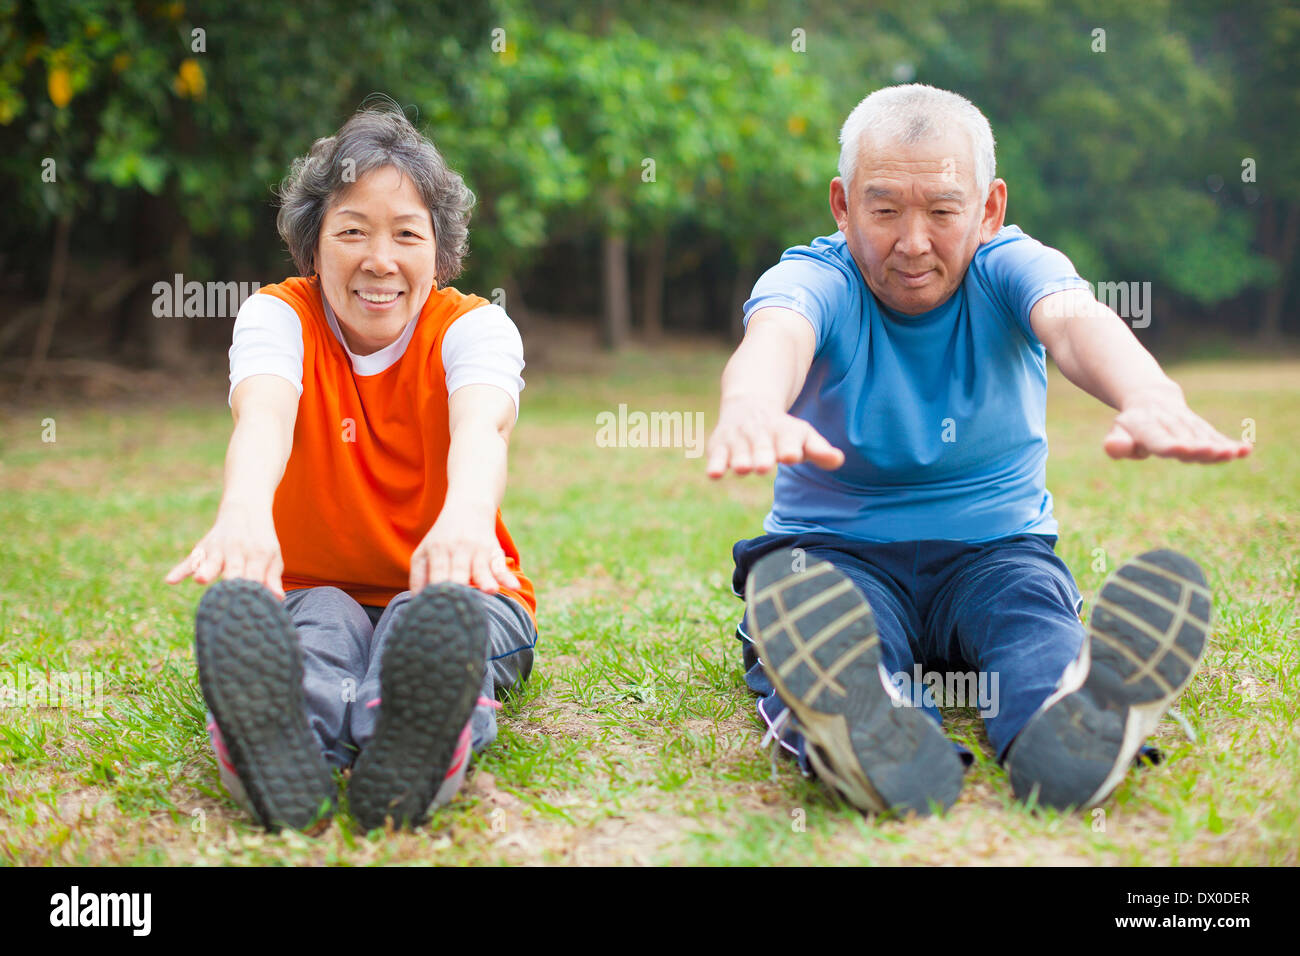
(380,258)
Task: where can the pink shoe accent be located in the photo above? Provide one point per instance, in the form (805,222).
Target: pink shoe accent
(488,702)
(372,703)
(226,770)
(455,777)
(461,755)
(219,745)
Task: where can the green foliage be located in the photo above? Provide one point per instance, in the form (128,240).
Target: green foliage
(554,121)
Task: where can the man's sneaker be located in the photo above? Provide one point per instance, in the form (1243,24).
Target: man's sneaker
(429,678)
(1145,638)
(250,669)
(816,636)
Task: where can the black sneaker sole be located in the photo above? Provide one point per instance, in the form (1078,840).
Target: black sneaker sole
(1146,636)
(250,670)
(430,676)
(817,638)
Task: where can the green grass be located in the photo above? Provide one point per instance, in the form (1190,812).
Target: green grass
(635,741)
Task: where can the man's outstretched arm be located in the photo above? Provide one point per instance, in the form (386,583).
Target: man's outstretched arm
(1096,350)
(760,382)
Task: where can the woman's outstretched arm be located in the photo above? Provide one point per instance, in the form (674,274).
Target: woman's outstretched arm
(242,542)
(462,545)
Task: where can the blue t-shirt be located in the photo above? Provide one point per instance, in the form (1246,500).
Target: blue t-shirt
(941,416)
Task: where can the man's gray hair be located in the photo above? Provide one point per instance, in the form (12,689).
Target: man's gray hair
(375,136)
(910,113)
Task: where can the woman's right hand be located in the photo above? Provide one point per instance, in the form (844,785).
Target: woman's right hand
(240,545)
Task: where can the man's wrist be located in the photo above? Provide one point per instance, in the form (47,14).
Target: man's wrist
(1166,391)
(749,400)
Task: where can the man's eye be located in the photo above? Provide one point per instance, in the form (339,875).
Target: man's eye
(882,211)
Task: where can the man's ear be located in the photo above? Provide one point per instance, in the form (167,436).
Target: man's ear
(995,211)
(839,204)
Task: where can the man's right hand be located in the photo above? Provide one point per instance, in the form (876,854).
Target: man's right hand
(750,437)
(240,545)
(763,379)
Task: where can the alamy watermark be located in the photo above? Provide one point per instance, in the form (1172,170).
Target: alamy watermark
(951,689)
(1129,300)
(639,429)
(200,300)
(81,691)
(130,910)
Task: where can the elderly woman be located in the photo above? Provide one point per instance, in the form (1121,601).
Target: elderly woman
(372,604)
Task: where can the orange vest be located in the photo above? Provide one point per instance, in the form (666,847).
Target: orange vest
(367,475)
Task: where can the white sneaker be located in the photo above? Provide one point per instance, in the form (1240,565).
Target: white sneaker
(1145,639)
(816,636)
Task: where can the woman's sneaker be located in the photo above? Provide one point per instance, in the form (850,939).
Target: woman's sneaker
(817,639)
(429,677)
(250,669)
(1146,637)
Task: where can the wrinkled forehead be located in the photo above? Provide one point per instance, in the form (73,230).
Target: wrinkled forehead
(382,190)
(942,161)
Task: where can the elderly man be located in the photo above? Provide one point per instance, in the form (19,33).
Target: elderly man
(896,373)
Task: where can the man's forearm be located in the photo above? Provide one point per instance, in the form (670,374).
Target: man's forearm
(1104,358)
(765,369)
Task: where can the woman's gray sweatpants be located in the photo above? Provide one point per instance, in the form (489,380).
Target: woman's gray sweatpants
(343,644)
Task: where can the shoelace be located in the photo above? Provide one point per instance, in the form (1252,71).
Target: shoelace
(775,731)
(1183,722)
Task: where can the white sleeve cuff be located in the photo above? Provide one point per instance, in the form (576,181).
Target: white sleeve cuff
(483,347)
(267,340)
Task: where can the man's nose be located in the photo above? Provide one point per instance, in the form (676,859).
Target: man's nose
(914,241)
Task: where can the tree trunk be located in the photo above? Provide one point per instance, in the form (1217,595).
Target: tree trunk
(50,310)
(168,335)
(514,304)
(652,301)
(1270,332)
(617,293)
(741,287)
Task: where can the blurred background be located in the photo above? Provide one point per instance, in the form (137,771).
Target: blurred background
(637,166)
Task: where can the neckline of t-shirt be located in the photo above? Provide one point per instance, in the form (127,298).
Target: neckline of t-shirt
(938,313)
(375,362)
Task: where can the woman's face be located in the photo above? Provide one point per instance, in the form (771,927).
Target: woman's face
(375,257)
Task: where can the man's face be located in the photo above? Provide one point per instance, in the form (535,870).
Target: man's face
(915,218)
(376,258)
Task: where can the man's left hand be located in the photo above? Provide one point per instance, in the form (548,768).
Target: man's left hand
(1158,422)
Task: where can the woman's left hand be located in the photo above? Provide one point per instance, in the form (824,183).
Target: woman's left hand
(462,548)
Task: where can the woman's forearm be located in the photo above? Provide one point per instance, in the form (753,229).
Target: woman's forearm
(255,463)
(476,470)
(265,409)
